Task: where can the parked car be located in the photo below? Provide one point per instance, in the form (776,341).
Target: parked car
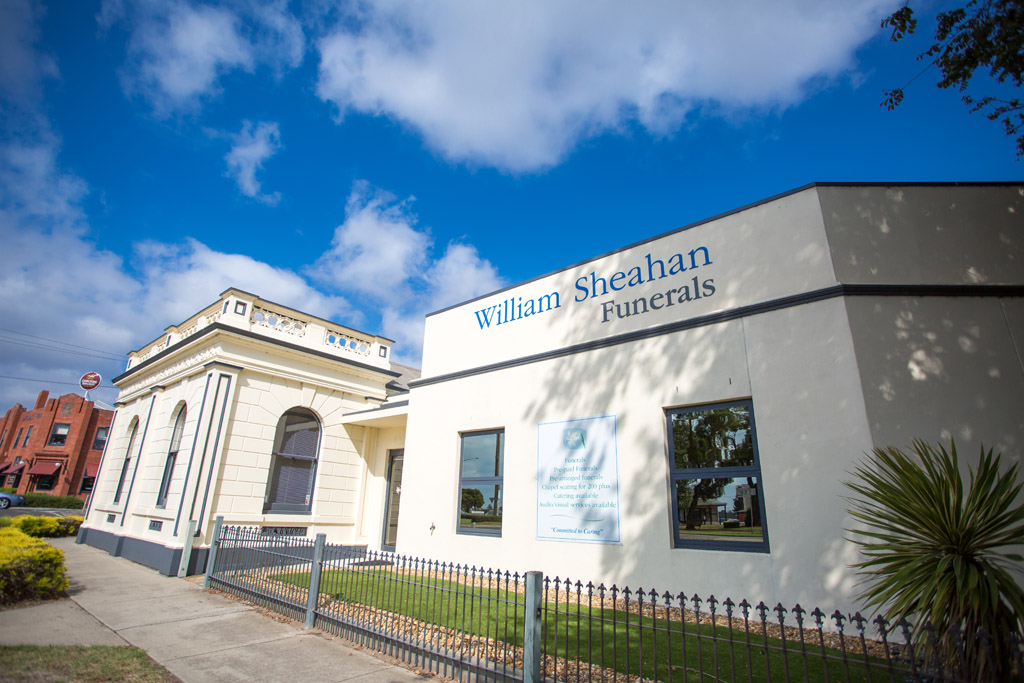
(10,500)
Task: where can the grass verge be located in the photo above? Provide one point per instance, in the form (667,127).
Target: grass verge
(79,664)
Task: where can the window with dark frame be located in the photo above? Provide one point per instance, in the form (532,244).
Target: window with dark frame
(27,435)
(100,439)
(293,465)
(127,460)
(87,484)
(46,482)
(717,501)
(59,434)
(172,456)
(17,438)
(481,474)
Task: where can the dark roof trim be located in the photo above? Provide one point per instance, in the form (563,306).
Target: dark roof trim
(734,314)
(221,327)
(726,214)
(396,404)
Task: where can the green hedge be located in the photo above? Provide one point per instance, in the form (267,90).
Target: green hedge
(29,568)
(43,500)
(6,489)
(44,527)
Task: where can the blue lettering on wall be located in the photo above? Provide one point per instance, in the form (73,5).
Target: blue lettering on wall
(515,308)
(652,269)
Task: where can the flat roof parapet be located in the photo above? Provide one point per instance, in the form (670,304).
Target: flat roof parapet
(249,313)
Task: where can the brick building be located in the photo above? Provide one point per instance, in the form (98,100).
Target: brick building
(55,447)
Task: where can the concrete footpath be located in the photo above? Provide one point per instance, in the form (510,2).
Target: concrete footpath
(197,635)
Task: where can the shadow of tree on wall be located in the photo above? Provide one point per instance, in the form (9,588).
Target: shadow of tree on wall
(883,371)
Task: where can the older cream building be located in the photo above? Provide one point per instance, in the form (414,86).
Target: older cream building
(262,414)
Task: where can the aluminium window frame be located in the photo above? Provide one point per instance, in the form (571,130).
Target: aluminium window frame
(127,461)
(97,443)
(675,474)
(172,456)
(277,454)
(54,435)
(497,480)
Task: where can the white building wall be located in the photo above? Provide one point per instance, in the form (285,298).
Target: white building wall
(831,371)
(807,442)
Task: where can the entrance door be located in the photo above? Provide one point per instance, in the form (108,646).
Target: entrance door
(395,459)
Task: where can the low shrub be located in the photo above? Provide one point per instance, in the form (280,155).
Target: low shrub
(7,489)
(29,568)
(44,500)
(48,527)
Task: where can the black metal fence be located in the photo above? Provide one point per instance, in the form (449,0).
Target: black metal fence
(485,624)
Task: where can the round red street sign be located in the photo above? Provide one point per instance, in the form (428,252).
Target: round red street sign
(90,380)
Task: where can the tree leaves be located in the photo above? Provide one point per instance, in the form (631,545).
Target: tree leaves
(983,34)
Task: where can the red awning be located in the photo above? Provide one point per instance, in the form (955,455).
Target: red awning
(90,470)
(45,468)
(4,468)
(17,467)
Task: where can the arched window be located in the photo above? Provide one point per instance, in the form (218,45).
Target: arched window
(132,429)
(172,455)
(293,467)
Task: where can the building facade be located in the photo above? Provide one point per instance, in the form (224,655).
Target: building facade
(682,413)
(55,447)
(240,412)
(679,413)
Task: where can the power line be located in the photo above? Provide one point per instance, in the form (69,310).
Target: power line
(44,347)
(53,381)
(59,341)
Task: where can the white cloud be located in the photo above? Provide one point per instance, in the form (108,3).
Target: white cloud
(378,275)
(250,148)
(377,251)
(58,284)
(180,279)
(21,65)
(517,85)
(380,253)
(179,51)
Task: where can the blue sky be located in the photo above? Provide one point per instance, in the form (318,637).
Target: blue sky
(371,162)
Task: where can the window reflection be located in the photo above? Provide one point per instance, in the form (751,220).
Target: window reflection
(719,509)
(716,437)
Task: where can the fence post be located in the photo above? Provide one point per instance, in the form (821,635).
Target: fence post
(532,627)
(186,550)
(211,559)
(314,579)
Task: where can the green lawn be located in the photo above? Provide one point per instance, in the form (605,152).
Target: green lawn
(656,648)
(80,664)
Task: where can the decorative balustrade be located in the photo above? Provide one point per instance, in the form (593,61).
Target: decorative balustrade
(262,317)
(345,342)
(276,321)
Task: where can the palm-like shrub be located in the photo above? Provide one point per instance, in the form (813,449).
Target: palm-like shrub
(937,554)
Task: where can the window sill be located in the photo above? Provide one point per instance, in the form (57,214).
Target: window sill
(728,546)
(463,531)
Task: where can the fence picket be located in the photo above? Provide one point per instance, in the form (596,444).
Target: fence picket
(455,620)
